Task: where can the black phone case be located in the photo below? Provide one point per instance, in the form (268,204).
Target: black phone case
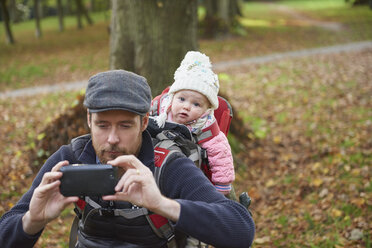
(88,180)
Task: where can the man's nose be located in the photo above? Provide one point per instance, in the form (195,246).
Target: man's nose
(113,137)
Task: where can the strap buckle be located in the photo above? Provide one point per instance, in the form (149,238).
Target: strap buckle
(170,237)
(78,213)
(106,212)
(170,135)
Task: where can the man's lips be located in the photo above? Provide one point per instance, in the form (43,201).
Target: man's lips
(113,153)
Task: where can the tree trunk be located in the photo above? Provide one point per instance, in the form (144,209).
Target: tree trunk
(92,6)
(6,19)
(151,38)
(12,10)
(60,15)
(37,18)
(78,14)
(68,7)
(223,11)
(87,16)
(83,11)
(220,16)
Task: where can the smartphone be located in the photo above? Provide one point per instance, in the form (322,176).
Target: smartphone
(88,180)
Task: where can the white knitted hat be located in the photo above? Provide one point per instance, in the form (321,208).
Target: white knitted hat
(195,73)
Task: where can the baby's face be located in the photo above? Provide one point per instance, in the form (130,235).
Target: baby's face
(188,105)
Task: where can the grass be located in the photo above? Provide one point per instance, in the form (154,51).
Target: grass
(52,59)
(316,5)
(51,23)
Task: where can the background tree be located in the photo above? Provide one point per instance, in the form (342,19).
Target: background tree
(6,19)
(60,15)
(152,37)
(81,10)
(37,18)
(220,16)
(78,16)
(12,9)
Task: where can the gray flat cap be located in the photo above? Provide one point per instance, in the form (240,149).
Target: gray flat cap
(118,89)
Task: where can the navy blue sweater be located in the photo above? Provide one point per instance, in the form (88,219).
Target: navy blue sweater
(205,213)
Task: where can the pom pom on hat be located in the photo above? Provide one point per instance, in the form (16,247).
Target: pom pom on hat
(195,73)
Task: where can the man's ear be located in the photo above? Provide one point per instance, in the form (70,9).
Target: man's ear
(145,122)
(89,121)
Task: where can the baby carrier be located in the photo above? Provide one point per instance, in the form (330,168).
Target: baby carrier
(223,115)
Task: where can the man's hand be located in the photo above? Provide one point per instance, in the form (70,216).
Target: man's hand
(47,202)
(138,186)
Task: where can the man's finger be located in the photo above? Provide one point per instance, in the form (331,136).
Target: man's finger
(48,186)
(50,177)
(126,162)
(59,165)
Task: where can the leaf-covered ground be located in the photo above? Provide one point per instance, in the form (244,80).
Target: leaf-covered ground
(307,166)
(307,162)
(310,173)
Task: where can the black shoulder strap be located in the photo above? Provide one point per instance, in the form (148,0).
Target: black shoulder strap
(77,146)
(180,129)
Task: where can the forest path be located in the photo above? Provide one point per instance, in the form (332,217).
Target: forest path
(219,66)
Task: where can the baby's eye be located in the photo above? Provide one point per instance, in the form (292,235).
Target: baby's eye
(196,104)
(181,98)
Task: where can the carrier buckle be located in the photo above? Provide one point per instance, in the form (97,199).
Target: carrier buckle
(106,212)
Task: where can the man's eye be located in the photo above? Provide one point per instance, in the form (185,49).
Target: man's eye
(125,126)
(102,126)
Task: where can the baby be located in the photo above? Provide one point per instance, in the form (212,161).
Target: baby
(191,101)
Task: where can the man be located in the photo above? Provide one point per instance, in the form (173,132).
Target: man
(117,109)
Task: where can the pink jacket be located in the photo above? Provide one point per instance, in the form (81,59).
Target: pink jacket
(221,162)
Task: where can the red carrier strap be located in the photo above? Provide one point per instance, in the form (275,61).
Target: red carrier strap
(161,227)
(208,133)
(155,103)
(223,114)
(81,204)
(159,224)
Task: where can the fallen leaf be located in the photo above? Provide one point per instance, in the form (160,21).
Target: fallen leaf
(315,166)
(336,213)
(270,183)
(262,240)
(317,182)
(358,201)
(277,139)
(355,172)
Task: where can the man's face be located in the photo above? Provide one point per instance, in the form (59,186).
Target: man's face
(115,133)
